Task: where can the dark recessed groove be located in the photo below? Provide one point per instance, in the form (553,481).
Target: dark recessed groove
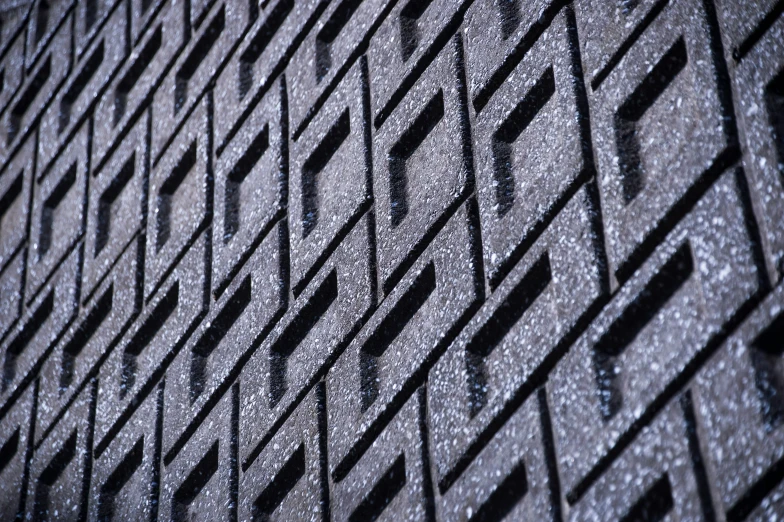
(307,318)
(389,329)
(382,493)
(492,333)
(635,317)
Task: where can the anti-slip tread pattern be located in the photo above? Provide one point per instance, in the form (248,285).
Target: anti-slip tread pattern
(438,260)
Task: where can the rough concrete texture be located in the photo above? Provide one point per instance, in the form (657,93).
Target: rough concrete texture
(567,304)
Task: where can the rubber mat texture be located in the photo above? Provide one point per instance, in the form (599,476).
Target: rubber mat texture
(412,260)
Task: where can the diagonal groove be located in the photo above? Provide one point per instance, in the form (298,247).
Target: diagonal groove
(383,492)
(217,330)
(144,336)
(514,306)
(654,505)
(389,329)
(606,352)
(634,108)
(408,143)
(509,131)
(317,161)
(318,305)
(280,486)
(243,167)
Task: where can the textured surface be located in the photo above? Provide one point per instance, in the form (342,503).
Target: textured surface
(355,260)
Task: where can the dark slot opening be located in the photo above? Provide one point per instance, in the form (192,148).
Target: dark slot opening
(259,42)
(18,345)
(9,449)
(340,17)
(60,461)
(20,109)
(383,493)
(78,85)
(145,335)
(519,300)
(167,191)
(296,332)
(319,159)
(135,71)
(662,286)
(90,14)
(277,490)
(11,194)
(87,329)
(697,460)
(633,109)
(408,143)
(41,20)
(654,505)
(409,27)
(218,329)
(51,475)
(388,330)
(765,353)
(509,11)
(109,196)
(117,480)
(503,139)
(758,492)
(194,483)
(505,497)
(774,100)
(764,25)
(50,205)
(257,148)
(197,55)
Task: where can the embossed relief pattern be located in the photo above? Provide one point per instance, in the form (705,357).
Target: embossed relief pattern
(438,260)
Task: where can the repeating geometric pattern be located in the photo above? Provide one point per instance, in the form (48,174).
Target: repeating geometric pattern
(437,260)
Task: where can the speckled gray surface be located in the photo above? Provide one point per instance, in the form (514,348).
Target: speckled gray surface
(411,260)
